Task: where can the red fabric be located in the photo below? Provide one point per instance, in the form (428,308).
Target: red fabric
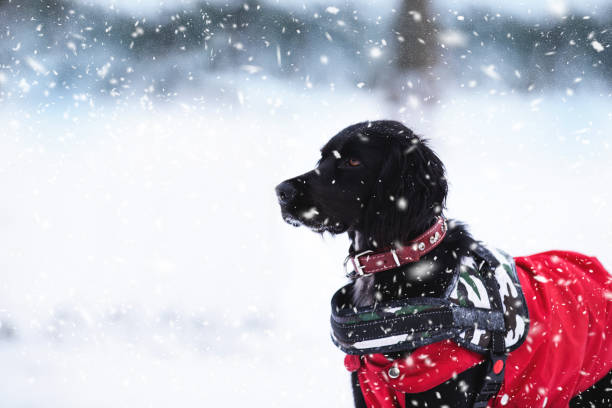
(568,347)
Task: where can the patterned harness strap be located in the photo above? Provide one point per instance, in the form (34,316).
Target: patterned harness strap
(496,364)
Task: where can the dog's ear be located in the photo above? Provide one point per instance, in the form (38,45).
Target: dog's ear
(410,191)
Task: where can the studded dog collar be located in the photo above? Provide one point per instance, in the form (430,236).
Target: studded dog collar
(368,262)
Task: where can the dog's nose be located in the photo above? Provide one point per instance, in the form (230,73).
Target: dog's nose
(285,192)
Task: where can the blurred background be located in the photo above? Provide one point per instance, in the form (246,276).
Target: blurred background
(143,260)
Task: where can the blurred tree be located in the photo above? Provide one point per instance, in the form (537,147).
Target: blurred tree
(416,32)
(416,36)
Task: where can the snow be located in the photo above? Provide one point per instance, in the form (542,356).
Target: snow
(597,46)
(144,259)
(147,263)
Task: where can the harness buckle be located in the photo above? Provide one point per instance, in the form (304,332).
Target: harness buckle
(496,368)
(358,268)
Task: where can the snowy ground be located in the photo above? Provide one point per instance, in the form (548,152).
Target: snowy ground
(145,263)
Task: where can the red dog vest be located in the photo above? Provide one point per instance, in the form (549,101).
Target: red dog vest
(568,346)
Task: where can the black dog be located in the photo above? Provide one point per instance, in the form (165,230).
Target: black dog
(383,185)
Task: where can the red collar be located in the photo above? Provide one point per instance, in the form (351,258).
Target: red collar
(368,262)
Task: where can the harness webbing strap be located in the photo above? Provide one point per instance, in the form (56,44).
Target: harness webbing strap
(445,322)
(413,323)
(496,364)
(494,377)
(484,319)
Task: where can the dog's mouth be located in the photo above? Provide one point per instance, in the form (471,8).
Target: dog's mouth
(291,220)
(312,219)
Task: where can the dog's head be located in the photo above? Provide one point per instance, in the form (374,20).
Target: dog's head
(378,178)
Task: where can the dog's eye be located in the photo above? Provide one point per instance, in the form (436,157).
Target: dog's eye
(353,162)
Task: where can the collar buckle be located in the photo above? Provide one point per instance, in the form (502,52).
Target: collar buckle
(358,268)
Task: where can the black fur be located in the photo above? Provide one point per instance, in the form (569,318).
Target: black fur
(393,196)
(384,186)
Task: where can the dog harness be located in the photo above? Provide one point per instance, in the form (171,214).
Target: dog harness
(483,310)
